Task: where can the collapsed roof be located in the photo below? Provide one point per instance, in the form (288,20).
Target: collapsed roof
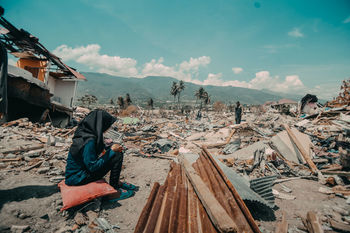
(22,44)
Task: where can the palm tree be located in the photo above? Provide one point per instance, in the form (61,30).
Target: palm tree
(206,99)
(174,90)
(127,99)
(180,88)
(150,103)
(121,102)
(200,95)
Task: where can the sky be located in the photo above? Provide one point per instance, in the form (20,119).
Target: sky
(294,46)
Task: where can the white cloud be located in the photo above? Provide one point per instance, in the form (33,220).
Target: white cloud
(296,33)
(194,63)
(237,70)
(91,57)
(262,80)
(187,70)
(213,79)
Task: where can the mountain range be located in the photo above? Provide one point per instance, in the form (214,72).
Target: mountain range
(106,87)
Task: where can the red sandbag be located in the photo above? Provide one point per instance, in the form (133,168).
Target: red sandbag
(76,195)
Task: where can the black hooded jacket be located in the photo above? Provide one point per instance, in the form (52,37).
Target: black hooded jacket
(83,156)
(91,127)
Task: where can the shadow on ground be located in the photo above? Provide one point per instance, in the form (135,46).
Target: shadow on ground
(26,192)
(260,211)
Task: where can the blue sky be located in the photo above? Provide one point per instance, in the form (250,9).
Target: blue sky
(289,46)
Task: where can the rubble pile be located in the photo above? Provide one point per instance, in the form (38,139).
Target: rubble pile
(27,146)
(267,158)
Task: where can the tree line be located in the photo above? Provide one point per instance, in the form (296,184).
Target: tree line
(176,89)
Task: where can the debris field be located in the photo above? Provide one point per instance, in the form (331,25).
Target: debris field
(271,173)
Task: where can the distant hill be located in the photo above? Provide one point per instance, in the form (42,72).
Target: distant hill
(105,87)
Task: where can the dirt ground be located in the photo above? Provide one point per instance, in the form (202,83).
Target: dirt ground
(308,198)
(30,199)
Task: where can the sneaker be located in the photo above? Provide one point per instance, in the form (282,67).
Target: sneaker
(128,186)
(124,194)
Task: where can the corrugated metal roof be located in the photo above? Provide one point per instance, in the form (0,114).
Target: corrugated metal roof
(263,187)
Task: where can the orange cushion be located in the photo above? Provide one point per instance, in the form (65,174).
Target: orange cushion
(76,195)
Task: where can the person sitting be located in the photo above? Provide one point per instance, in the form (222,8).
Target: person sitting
(88,161)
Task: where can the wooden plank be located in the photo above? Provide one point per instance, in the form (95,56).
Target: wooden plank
(222,193)
(339,226)
(171,192)
(22,149)
(154,214)
(238,198)
(216,212)
(14,122)
(220,144)
(10,160)
(229,137)
(33,166)
(140,226)
(69,132)
(282,226)
(338,173)
(302,150)
(312,223)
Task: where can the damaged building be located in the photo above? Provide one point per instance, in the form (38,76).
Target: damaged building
(39,86)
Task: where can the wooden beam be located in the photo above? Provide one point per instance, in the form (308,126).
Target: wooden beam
(230,136)
(141,224)
(282,226)
(220,144)
(301,149)
(234,192)
(216,212)
(312,223)
(339,226)
(33,166)
(338,173)
(24,149)
(15,122)
(69,131)
(10,160)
